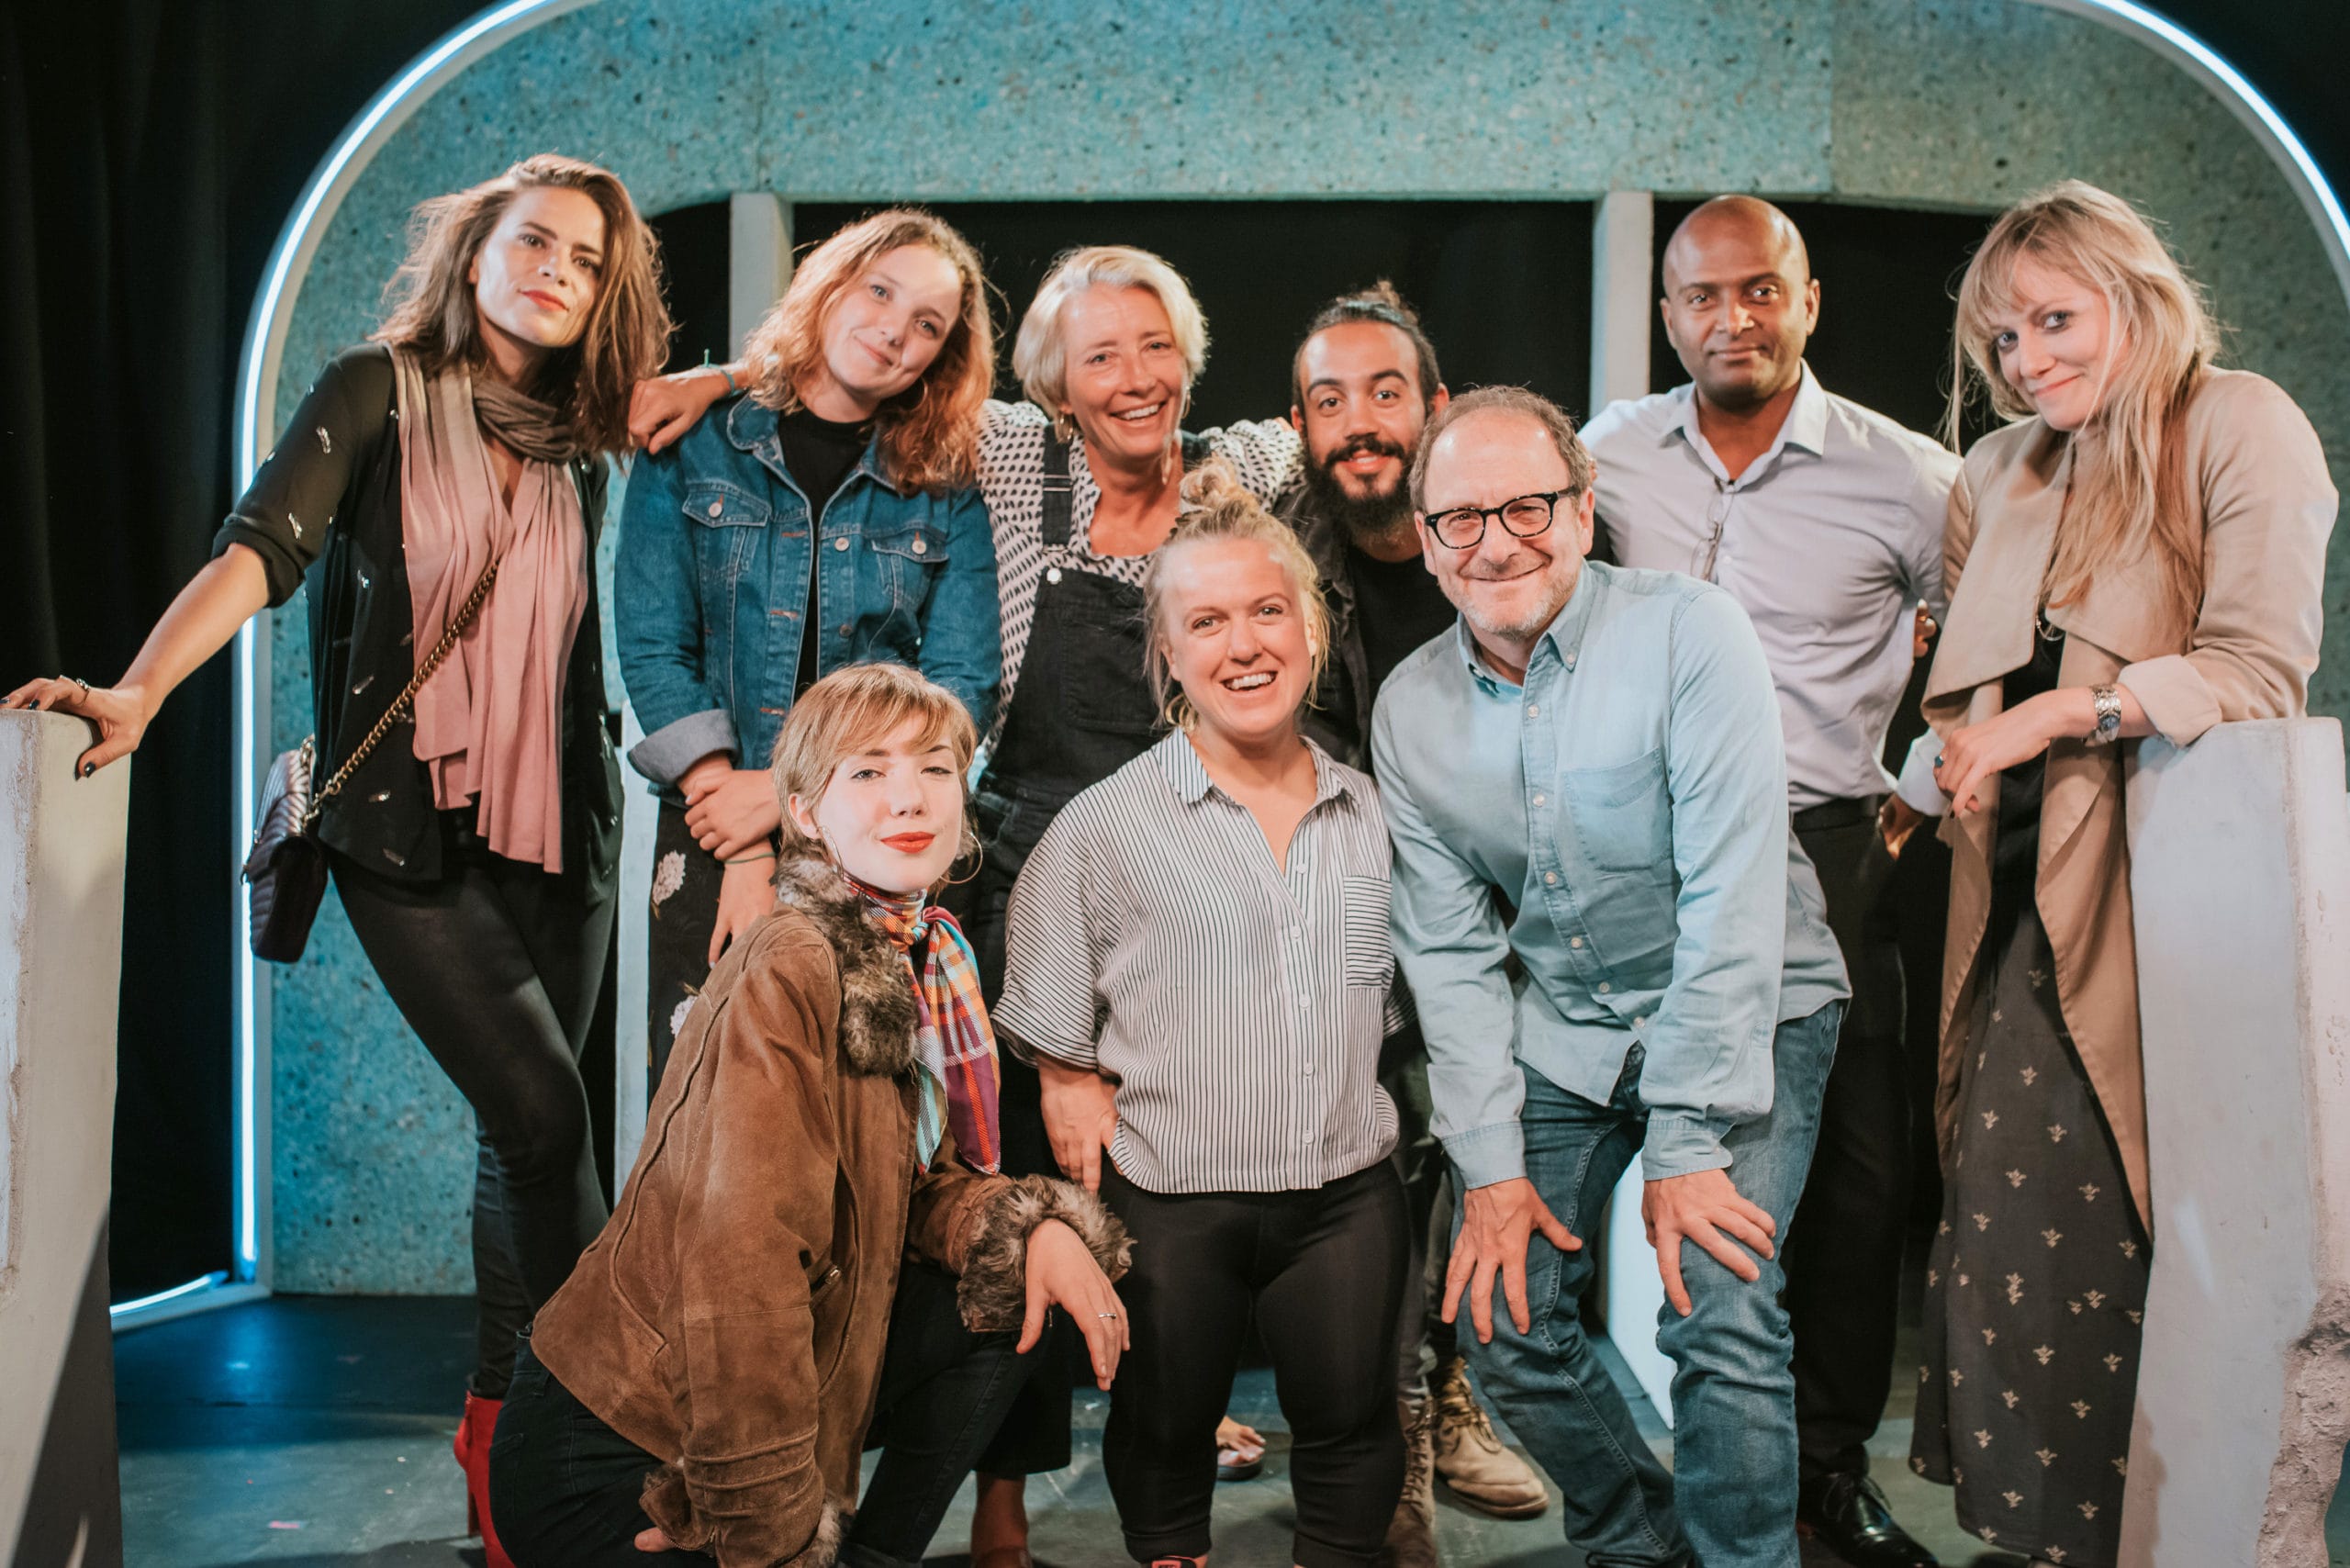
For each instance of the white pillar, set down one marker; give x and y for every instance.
(2239, 873)
(61, 965)
(1622, 243)
(759, 235)
(632, 1056)
(1623, 295)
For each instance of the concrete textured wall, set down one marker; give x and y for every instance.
(60, 960)
(2239, 854)
(1964, 104)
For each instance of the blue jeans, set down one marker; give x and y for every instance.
(1733, 1394)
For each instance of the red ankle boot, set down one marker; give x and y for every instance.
(472, 1449)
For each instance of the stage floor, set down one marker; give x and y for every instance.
(315, 1430)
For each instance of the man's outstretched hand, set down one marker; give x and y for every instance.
(1496, 1222)
(1706, 1208)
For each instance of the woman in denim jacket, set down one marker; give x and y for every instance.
(823, 515)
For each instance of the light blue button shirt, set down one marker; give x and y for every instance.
(1618, 825)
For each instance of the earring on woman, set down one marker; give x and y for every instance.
(968, 849)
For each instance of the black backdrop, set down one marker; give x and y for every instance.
(150, 151)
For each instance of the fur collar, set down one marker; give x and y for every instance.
(878, 1011)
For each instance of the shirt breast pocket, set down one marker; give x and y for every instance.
(904, 563)
(1621, 816)
(1363, 909)
(727, 524)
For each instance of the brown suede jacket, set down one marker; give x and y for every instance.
(731, 1318)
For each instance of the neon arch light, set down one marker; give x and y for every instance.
(255, 426)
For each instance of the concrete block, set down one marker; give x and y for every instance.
(2240, 871)
(61, 963)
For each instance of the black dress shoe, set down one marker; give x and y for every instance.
(1849, 1516)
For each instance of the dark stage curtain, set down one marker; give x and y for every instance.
(149, 150)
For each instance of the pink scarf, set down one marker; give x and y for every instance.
(490, 723)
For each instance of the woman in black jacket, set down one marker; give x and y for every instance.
(474, 846)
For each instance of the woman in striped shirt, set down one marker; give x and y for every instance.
(1197, 960)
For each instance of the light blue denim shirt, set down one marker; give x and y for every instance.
(1618, 826)
(711, 589)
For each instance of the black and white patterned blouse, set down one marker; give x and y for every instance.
(1264, 454)
(1239, 1003)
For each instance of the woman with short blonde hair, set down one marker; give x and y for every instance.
(1040, 353)
(2139, 552)
(816, 1238)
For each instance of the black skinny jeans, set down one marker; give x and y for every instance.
(564, 1485)
(1323, 1270)
(497, 967)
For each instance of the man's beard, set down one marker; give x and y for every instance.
(1370, 520)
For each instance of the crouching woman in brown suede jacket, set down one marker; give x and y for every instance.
(705, 1382)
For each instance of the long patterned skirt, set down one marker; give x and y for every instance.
(2036, 1287)
(684, 898)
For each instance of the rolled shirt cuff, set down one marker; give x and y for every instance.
(1682, 1146)
(1495, 1152)
(666, 754)
(1916, 785)
(2177, 700)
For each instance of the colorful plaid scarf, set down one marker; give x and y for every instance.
(953, 1044)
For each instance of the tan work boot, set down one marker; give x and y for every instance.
(1482, 1472)
(1411, 1534)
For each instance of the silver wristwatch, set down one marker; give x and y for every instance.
(2108, 702)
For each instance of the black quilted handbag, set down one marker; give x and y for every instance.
(285, 872)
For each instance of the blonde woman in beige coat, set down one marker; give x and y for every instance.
(2140, 552)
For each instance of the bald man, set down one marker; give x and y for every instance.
(1824, 521)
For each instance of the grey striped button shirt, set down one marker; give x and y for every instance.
(1238, 1004)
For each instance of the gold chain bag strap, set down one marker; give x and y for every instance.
(286, 870)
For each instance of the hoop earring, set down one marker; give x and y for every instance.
(969, 849)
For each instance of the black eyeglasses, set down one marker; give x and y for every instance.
(1463, 528)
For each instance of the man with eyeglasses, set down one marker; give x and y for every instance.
(1824, 521)
(1615, 948)
(1364, 383)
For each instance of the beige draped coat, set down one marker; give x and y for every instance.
(2257, 476)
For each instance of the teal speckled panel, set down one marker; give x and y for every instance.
(2043, 95)
(373, 1148)
(1962, 103)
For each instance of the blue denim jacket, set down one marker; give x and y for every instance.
(710, 589)
(1618, 825)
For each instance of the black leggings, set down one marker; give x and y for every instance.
(497, 968)
(1324, 1272)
